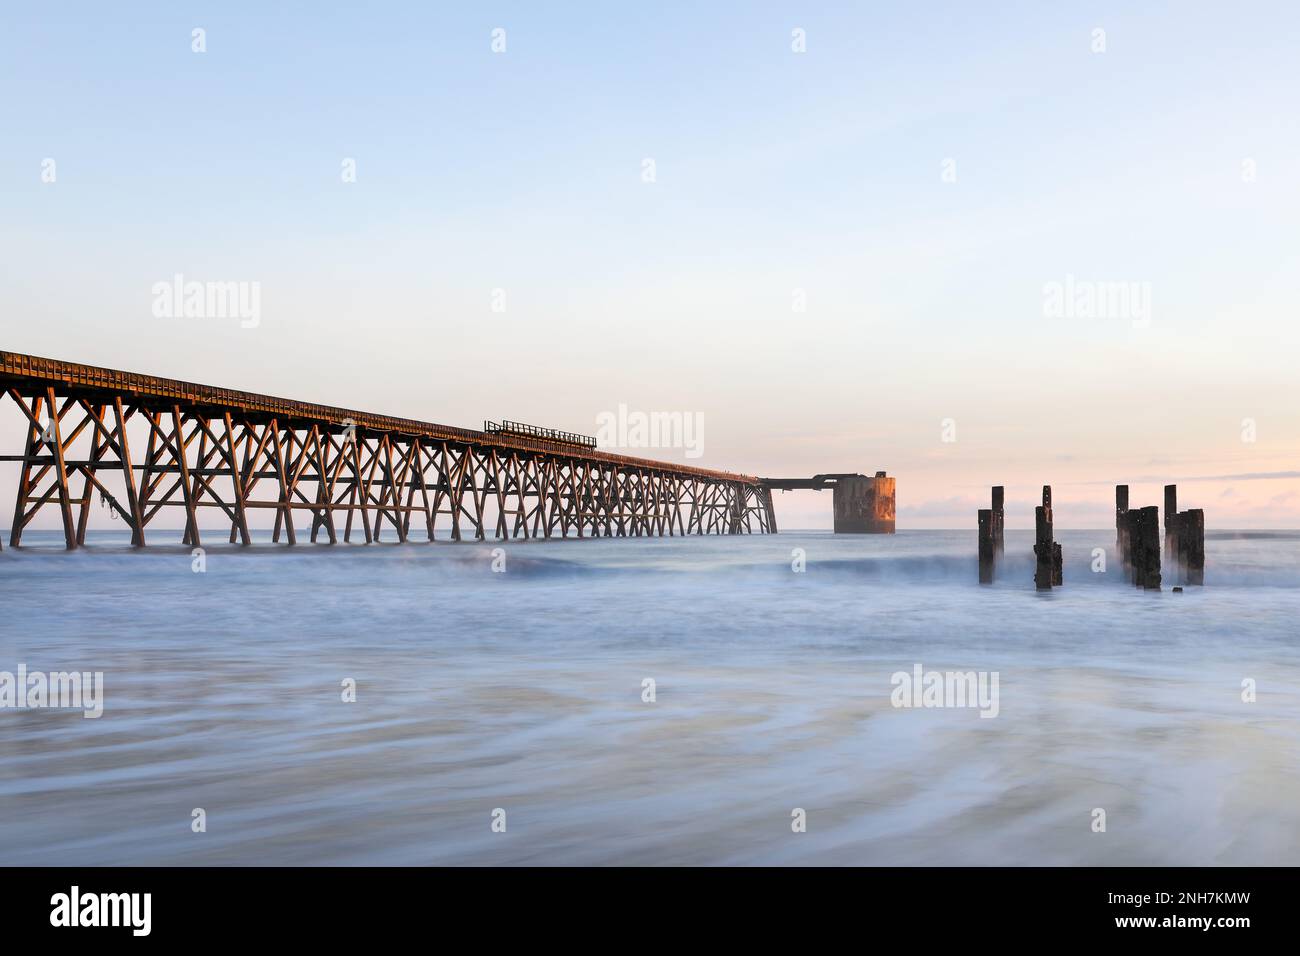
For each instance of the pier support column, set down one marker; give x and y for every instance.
(1144, 547)
(998, 517)
(55, 440)
(1048, 571)
(986, 545)
(1191, 545)
(1043, 548)
(1171, 523)
(1121, 525)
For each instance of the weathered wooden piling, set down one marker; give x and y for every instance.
(1046, 552)
(1058, 561)
(1191, 545)
(1042, 549)
(1121, 525)
(1144, 547)
(986, 545)
(999, 543)
(1171, 523)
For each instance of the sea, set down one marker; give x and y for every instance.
(737, 700)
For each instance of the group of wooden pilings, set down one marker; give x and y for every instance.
(1137, 538)
(992, 542)
(992, 535)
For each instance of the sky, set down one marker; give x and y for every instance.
(830, 233)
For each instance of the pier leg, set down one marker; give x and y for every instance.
(1191, 538)
(61, 471)
(237, 484)
(1177, 561)
(25, 483)
(1043, 549)
(1122, 526)
(98, 446)
(128, 475)
(986, 545)
(999, 543)
(191, 538)
(283, 513)
(1145, 547)
(1048, 572)
(1171, 522)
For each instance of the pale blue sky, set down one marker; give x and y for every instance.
(775, 171)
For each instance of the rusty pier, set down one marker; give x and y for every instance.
(143, 444)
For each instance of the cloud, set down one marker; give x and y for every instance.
(1170, 479)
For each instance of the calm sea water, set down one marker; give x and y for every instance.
(522, 690)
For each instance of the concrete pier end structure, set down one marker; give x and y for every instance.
(862, 504)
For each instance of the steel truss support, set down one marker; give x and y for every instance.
(332, 481)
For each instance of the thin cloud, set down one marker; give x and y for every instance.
(1244, 476)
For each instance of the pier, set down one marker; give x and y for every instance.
(333, 474)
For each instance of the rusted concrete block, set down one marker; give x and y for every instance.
(864, 505)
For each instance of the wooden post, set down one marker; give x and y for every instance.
(1127, 532)
(1043, 548)
(1144, 544)
(1122, 525)
(1191, 542)
(1053, 549)
(1177, 561)
(1057, 562)
(1171, 522)
(986, 545)
(999, 544)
